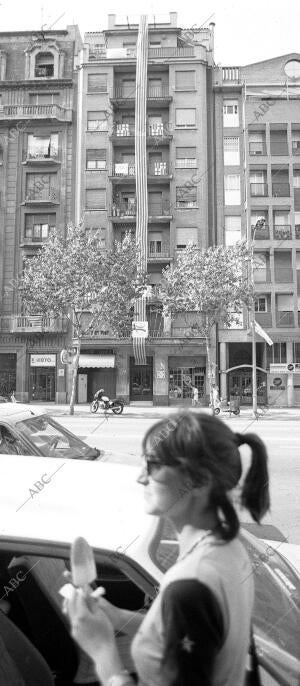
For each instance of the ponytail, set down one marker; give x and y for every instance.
(255, 495)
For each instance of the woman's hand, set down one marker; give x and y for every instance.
(90, 625)
(115, 614)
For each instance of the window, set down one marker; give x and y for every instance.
(185, 118)
(96, 158)
(97, 83)
(184, 236)
(41, 187)
(232, 189)
(186, 158)
(155, 243)
(155, 44)
(261, 304)
(292, 69)
(276, 353)
(42, 146)
(186, 197)
(44, 98)
(97, 121)
(230, 113)
(38, 226)
(231, 150)
(232, 230)
(257, 143)
(296, 356)
(185, 80)
(95, 199)
(44, 65)
(296, 179)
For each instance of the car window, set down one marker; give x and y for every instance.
(9, 444)
(52, 439)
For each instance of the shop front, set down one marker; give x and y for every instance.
(184, 374)
(42, 377)
(141, 381)
(240, 384)
(96, 370)
(8, 363)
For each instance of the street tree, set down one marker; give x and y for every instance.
(211, 287)
(73, 277)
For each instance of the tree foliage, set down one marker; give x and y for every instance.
(73, 276)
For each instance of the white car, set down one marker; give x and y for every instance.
(46, 502)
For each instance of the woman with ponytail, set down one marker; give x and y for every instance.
(197, 630)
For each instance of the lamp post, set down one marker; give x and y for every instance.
(259, 225)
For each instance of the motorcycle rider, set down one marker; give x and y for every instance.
(98, 395)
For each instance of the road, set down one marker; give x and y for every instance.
(120, 438)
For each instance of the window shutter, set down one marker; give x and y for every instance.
(185, 153)
(231, 144)
(185, 236)
(185, 117)
(96, 154)
(95, 198)
(185, 80)
(97, 83)
(184, 194)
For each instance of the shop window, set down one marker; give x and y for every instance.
(44, 65)
(181, 380)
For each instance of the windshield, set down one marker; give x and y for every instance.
(276, 615)
(52, 439)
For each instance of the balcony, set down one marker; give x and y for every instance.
(96, 54)
(162, 255)
(280, 190)
(159, 94)
(264, 319)
(230, 73)
(282, 233)
(285, 319)
(296, 147)
(124, 134)
(283, 274)
(159, 211)
(258, 190)
(260, 234)
(18, 112)
(127, 171)
(257, 148)
(45, 196)
(38, 157)
(279, 147)
(122, 169)
(34, 323)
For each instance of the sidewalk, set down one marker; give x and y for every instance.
(269, 413)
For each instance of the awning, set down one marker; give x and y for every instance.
(103, 361)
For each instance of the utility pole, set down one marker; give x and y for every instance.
(259, 225)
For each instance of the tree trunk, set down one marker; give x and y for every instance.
(209, 370)
(75, 364)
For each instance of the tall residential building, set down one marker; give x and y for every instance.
(37, 101)
(258, 177)
(180, 177)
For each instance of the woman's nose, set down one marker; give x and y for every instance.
(143, 477)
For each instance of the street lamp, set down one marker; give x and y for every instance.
(259, 225)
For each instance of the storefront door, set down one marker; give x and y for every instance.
(240, 384)
(42, 384)
(141, 380)
(7, 373)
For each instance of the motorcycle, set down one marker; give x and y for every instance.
(231, 406)
(117, 406)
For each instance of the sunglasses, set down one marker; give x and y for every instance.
(152, 464)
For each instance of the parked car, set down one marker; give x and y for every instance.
(45, 503)
(27, 430)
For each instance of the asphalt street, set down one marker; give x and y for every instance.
(120, 439)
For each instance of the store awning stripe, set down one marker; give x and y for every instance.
(100, 361)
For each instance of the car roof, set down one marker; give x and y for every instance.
(15, 412)
(56, 500)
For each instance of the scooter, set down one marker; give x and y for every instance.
(229, 406)
(117, 406)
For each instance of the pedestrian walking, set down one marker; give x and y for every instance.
(195, 395)
(197, 630)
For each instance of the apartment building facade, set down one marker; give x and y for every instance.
(258, 177)
(37, 162)
(179, 182)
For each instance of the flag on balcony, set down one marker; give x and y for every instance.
(139, 339)
(262, 333)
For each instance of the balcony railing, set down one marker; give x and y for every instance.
(35, 112)
(164, 253)
(280, 190)
(264, 319)
(282, 233)
(258, 189)
(153, 92)
(37, 323)
(231, 73)
(123, 209)
(296, 147)
(122, 130)
(285, 319)
(157, 130)
(124, 169)
(46, 195)
(257, 148)
(260, 234)
(279, 147)
(283, 274)
(39, 155)
(130, 53)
